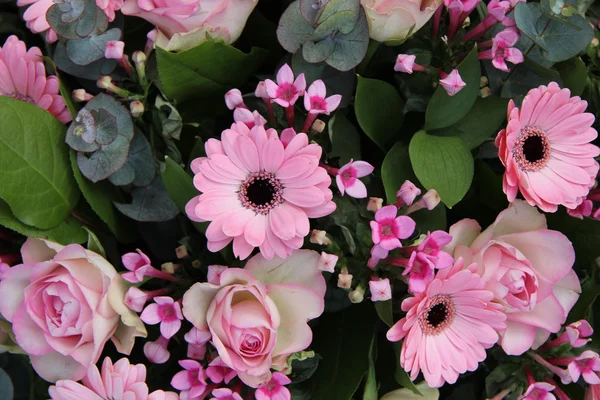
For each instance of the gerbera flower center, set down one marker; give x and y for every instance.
(532, 149)
(437, 316)
(260, 192)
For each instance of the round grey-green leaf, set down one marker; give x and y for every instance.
(442, 163)
(35, 175)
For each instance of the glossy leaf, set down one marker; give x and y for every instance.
(35, 174)
(444, 110)
(378, 108)
(574, 75)
(345, 141)
(442, 163)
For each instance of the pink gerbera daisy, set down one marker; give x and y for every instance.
(546, 149)
(23, 77)
(258, 192)
(448, 326)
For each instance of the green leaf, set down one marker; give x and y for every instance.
(6, 386)
(378, 108)
(90, 49)
(181, 189)
(345, 141)
(527, 76)
(206, 71)
(340, 14)
(150, 203)
(442, 163)
(93, 243)
(139, 168)
(396, 168)
(480, 124)
(584, 234)
(444, 110)
(558, 38)
(584, 306)
(574, 75)
(100, 197)
(69, 231)
(293, 29)
(35, 175)
(343, 340)
(370, 392)
(384, 310)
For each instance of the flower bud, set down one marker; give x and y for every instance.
(139, 57)
(114, 50)
(318, 126)
(80, 95)
(374, 204)
(233, 99)
(261, 91)
(357, 295)
(137, 108)
(196, 264)
(344, 279)
(594, 42)
(319, 237)
(483, 81)
(380, 289)
(214, 274)
(169, 268)
(327, 262)
(181, 252)
(431, 199)
(156, 351)
(485, 92)
(407, 194)
(105, 82)
(135, 299)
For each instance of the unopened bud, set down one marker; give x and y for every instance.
(598, 262)
(407, 194)
(214, 274)
(467, 22)
(181, 252)
(483, 81)
(319, 237)
(598, 54)
(357, 295)
(327, 262)
(196, 264)
(380, 289)
(169, 268)
(431, 199)
(318, 126)
(80, 95)
(137, 108)
(344, 279)
(594, 42)
(139, 57)
(485, 92)
(105, 82)
(139, 60)
(114, 50)
(233, 99)
(374, 204)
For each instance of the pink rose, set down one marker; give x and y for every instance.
(183, 24)
(392, 20)
(529, 269)
(65, 303)
(258, 315)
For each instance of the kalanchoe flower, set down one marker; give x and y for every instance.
(380, 289)
(261, 92)
(219, 372)
(502, 49)
(214, 273)
(374, 204)
(316, 102)
(327, 262)
(456, 313)
(406, 63)
(166, 312)
(577, 333)
(407, 194)
(192, 380)
(347, 178)
(234, 99)
(114, 49)
(274, 389)
(23, 77)
(496, 12)
(453, 83)
(388, 229)
(258, 193)
(115, 382)
(587, 364)
(287, 90)
(136, 298)
(139, 265)
(563, 374)
(546, 149)
(226, 394)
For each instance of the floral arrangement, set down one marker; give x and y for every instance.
(307, 199)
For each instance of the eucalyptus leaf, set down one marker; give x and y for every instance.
(350, 48)
(86, 51)
(444, 110)
(442, 163)
(319, 51)
(6, 386)
(310, 9)
(150, 203)
(171, 120)
(341, 14)
(378, 108)
(92, 71)
(139, 169)
(35, 175)
(293, 29)
(76, 19)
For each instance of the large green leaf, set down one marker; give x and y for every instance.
(35, 175)
(558, 39)
(479, 124)
(345, 141)
(100, 196)
(208, 70)
(343, 340)
(378, 108)
(181, 188)
(69, 231)
(444, 110)
(442, 163)
(574, 75)
(584, 234)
